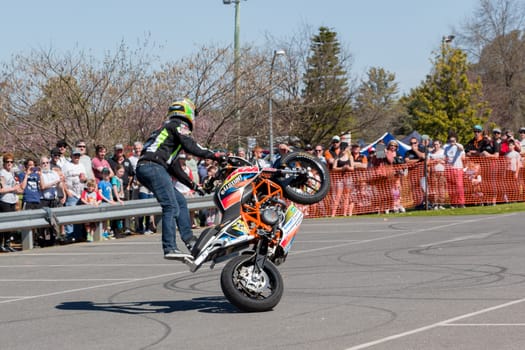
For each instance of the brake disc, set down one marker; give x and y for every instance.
(252, 281)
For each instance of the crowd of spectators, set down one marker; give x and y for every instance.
(70, 177)
(431, 173)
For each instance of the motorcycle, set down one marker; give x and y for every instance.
(259, 222)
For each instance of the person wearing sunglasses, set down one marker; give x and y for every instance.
(332, 153)
(85, 159)
(477, 144)
(319, 153)
(454, 158)
(61, 146)
(9, 189)
(415, 158)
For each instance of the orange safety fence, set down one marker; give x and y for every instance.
(397, 188)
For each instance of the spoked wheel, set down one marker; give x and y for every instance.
(248, 288)
(308, 181)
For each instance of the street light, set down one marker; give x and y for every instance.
(270, 93)
(448, 39)
(236, 62)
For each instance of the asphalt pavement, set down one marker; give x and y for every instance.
(395, 283)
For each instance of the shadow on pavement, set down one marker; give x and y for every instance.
(208, 305)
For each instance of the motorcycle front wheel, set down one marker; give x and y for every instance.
(309, 181)
(247, 288)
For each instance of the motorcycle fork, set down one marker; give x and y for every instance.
(261, 253)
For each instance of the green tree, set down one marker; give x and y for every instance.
(326, 108)
(376, 103)
(447, 101)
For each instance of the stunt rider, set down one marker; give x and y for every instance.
(184, 220)
(160, 150)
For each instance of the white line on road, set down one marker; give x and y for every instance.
(434, 325)
(93, 287)
(483, 325)
(408, 233)
(463, 238)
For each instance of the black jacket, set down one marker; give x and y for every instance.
(165, 144)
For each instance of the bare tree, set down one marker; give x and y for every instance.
(495, 39)
(70, 97)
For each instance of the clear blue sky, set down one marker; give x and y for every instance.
(397, 35)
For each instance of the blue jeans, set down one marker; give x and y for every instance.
(69, 229)
(158, 181)
(144, 222)
(184, 220)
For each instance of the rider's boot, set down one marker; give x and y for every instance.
(175, 254)
(190, 243)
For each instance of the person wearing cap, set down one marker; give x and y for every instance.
(496, 141)
(61, 145)
(55, 157)
(336, 147)
(105, 187)
(309, 149)
(160, 150)
(372, 159)
(477, 144)
(53, 195)
(75, 179)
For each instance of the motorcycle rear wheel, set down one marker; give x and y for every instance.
(249, 290)
(202, 240)
(307, 188)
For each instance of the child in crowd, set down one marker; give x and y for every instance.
(106, 191)
(396, 196)
(363, 195)
(117, 188)
(474, 179)
(105, 188)
(90, 196)
(117, 184)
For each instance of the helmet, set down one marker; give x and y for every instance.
(183, 109)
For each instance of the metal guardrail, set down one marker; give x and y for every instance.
(27, 220)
